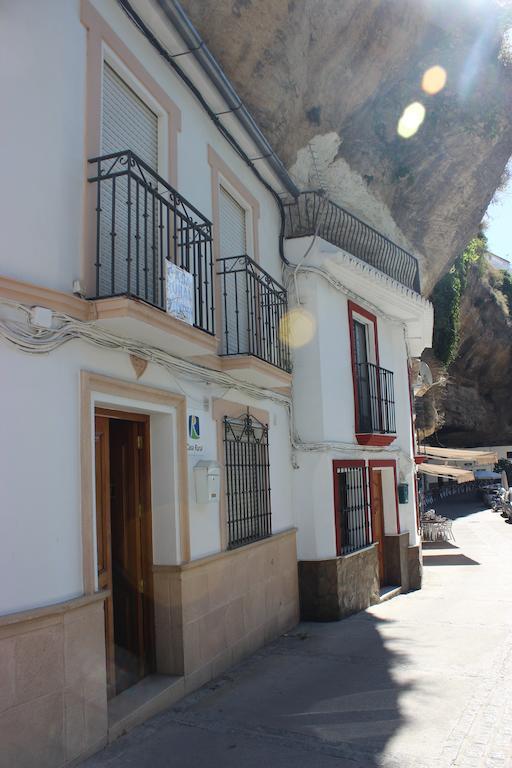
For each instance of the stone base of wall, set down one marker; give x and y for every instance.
(53, 700)
(415, 564)
(335, 588)
(210, 613)
(402, 563)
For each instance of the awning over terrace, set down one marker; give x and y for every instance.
(442, 470)
(483, 458)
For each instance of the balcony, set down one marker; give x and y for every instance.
(253, 305)
(375, 405)
(152, 246)
(311, 214)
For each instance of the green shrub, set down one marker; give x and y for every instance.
(506, 289)
(447, 297)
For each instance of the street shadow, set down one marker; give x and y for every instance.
(455, 559)
(324, 695)
(438, 545)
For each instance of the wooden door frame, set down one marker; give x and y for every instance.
(95, 387)
(144, 536)
(381, 556)
(106, 584)
(383, 464)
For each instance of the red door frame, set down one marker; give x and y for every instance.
(380, 464)
(362, 437)
(353, 464)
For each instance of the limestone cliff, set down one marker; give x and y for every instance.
(327, 81)
(475, 406)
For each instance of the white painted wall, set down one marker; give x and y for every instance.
(42, 70)
(44, 181)
(40, 549)
(388, 499)
(324, 398)
(313, 505)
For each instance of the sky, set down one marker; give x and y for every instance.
(499, 228)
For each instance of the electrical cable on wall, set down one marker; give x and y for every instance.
(37, 341)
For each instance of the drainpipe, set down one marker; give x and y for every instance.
(176, 15)
(179, 19)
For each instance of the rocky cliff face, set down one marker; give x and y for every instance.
(475, 406)
(327, 82)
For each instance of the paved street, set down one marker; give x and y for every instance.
(421, 681)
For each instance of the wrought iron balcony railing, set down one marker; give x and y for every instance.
(375, 400)
(311, 212)
(142, 226)
(253, 306)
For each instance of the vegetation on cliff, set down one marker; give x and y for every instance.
(470, 404)
(446, 298)
(327, 82)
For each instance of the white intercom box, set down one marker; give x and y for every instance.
(207, 481)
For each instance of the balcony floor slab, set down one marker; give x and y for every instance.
(256, 371)
(136, 319)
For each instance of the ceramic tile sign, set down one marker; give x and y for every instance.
(180, 293)
(194, 443)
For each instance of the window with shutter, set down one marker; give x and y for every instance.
(233, 229)
(128, 124)
(235, 303)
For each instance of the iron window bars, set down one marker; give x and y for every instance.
(253, 305)
(353, 514)
(142, 224)
(247, 480)
(312, 213)
(376, 399)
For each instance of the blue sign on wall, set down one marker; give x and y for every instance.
(194, 431)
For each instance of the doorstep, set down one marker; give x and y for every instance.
(143, 700)
(387, 593)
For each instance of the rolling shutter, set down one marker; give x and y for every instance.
(127, 123)
(233, 242)
(233, 236)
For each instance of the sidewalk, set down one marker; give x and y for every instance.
(421, 681)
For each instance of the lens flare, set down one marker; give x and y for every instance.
(434, 80)
(412, 118)
(297, 327)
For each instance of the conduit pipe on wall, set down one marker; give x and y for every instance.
(25, 338)
(176, 15)
(179, 19)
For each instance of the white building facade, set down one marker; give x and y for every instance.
(164, 487)
(149, 538)
(355, 483)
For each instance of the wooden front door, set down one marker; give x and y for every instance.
(123, 524)
(377, 504)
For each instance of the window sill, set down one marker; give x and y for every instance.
(365, 438)
(357, 551)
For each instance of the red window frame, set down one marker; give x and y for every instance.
(352, 464)
(364, 438)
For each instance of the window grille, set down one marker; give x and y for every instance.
(352, 517)
(375, 399)
(247, 480)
